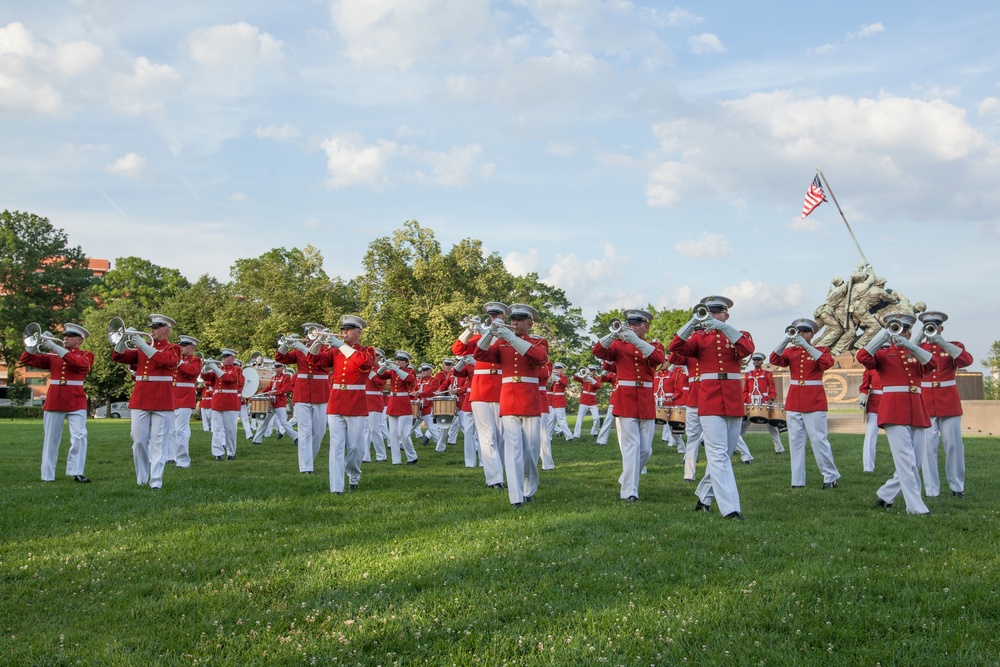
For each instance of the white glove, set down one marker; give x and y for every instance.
(334, 341)
(953, 350)
(812, 351)
(505, 334)
(922, 355)
(630, 336)
(466, 335)
(485, 342)
(56, 347)
(782, 345)
(283, 348)
(521, 345)
(863, 400)
(730, 332)
(644, 347)
(460, 364)
(141, 343)
(685, 331)
(470, 360)
(607, 340)
(316, 347)
(798, 340)
(33, 349)
(297, 345)
(121, 345)
(876, 343)
(390, 366)
(399, 371)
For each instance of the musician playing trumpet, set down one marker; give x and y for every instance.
(226, 404)
(185, 383)
(558, 382)
(402, 380)
(311, 393)
(65, 400)
(590, 385)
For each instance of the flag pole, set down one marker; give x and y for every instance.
(839, 210)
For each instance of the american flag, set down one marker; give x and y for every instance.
(814, 197)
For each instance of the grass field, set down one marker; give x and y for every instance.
(249, 562)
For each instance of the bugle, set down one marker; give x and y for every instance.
(469, 322)
(117, 330)
(33, 336)
(290, 338)
(930, 329)
(895, 327)
(490, 325)
(791, 332)
(320, 333)
(701, 312)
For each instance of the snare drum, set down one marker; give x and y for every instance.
(758, 414)
(776, 416)
(662, 414)
(677, 419)
(418, 408)
(444, 409)
(259, 406)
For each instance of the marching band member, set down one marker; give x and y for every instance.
(248, 424)
(901, 412)
(376, 405)
(588, 400)
(185, 382)
(424, 392)
(944, 407)
(692, 424)
(205, 404)
(557, 398)
(719, 349)
(68, 367)
(463, 370)
(311, 393)
(544, 441)
(280, 387)
(521, 355)
(226, 403)
(870, 397)
(635, 361)
(485, 398)
(806, 402)
(402, 380)
(446, 383)
(608, 374)
(456, 423)
(152, 402)
(759, 389)
(663, 389)
(347, 410)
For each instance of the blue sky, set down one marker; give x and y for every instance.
(628, 152)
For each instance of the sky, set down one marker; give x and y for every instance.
(627, 152)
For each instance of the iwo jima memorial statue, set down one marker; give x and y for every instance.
(852, 315)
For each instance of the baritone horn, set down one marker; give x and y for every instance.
(117, 330)
(33, 335)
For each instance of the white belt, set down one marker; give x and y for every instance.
(807, 383)
(519, 378)
(154, 378)
(349, 387)
(399, 393)
(184, 384)
(693, 379)
(720, 376)
(635, 383)
(311, 376)
(901, 390)
(875, 392)
(944, 383)
(68, 383)
(374, 393)
(589, 393)
(488, 371)
(226, 391)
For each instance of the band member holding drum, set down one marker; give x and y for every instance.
(65, 400)
(347, 410)
(485, 398)
(376, 404)
(719, 349)
(152, 402)
(226, 404)
(677, 374)
(901, 412)
(759, 389)
(805, 404)
(636, 360)
(185, 382)
(446, 387)
(425, 391)
(870, 397)
(402, 380)
(281, 385)
(557, 399)
(311, 393)
(521, 355)
(590, 384)
(944, 407)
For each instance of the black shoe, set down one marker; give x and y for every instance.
(231, 457)
(701, 507)
(426, 441)
(957, 494)
(746, 463)
(412, 463)
(257, 442)
(689, 481)
(797, 486)
(354, 487)
(498, 485)
(632, 499)
(829, 485)
(81, 479)
(882, 504)
(218, 458)
(735, 515)
(529, 499)
(280, 436)
(516, 504)
(171, 461)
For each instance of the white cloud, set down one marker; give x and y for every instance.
(239, 46)
(705, 43)
(351, 162)
(988, 106)
(20, 95)
(17, 40)
(74, 58)
(237, 198)
(751, 296)
(707, 246)
(147, 89)
(810, 223)
(457, 167)
(522, 263)
(578, 276)
(867, 30)
(130, 165)
(282, 132)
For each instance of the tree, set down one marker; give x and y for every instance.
(142, 282)
(41, 280)
(991, 382)
(107, 380)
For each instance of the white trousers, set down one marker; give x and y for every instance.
(771, 430)
(720, 435)
(470, 440)
(76, 459)
(180, 438)
(949, 431)
(245, 419)
(375, 437)
(871, 439)
(348, 441)
(489, 430)
(428, 422)
(693, 430)
(906, 445)
(635, 439)
(741, 445)
(559, 424)
(605, 432)
(453, 429)
(150, 429)
(520, 443)
(545, 442)
(311, 418)
(443, 431)
(206, 419)
(813, 425)
(399, 434)
(595, 414)
(224, 432)
(275, 419)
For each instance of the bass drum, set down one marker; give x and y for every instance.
(251, 382)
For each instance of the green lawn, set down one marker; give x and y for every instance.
(249, 562)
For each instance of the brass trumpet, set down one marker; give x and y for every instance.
(701, 312)
(33, 335)
(257, 359)
(469, 322)
(930, 329)
(490, 325)
(895, 327)
(290, 338)
(316, 333)
(791, 332)
(117, 330)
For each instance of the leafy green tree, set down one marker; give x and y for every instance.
(42, 280)
(991, 386)
(194, 310)
(142, 282)
(109, 381)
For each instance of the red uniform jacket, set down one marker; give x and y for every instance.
(871, 386)
(557, 394)
(185, 379)
(207, 390)
(228, 388)
(312, 380)
(399, 392)
(464, 378)
(153, 375)
(486, 378)
(280, 387)
(519, 392)
(588, 393)
(424, 392)
(688, 379)
(634, 397)
(720, 392)
(373, 391)
(609, 376)
(758, 387)
(663, 387)
(901, 374)
(805, 391)
(66, 376)
(939, 390)
(348, 379)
